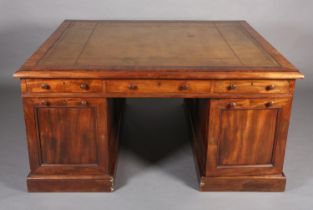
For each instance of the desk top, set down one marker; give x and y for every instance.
(157, 49)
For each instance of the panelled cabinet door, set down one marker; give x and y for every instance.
(247, 136)
(67, 136)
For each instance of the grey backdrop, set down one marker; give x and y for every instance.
(164, 177)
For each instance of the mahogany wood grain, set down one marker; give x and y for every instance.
(251, 86)
(137, 87)
(159, 88)
(243, 134)
(237, 87)
(59, 86)
(67, 135)
(266, 183)
(246, 172)
(199, 73)
(246, 121)
(69, 183)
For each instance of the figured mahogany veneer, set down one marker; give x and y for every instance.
(177, 87)
(238, 91)
(252, 86)
(65, 86)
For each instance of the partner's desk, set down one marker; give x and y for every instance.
(238, 91)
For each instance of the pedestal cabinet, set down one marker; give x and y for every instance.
(239, 139)
(72, 143)
(238, 91)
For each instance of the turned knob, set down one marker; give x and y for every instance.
(183, 87)
(132, 87)
(84, 86)
(269, 104)
(45, 86)
(231, 105)
(84, 102)
(45, 103)
(270, 87)
(231, 87)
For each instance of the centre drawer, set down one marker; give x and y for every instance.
(63, 86)
(133, 87)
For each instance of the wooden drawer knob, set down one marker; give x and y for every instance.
(84, 103)
(183, 87)
(45, 86)
(132, 87)
(270, 87)
(45, 103)
(84, 86)
(232, 87)
(231, 105)
(269, 104)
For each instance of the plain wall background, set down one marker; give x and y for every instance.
(156, 169)
(287, 24)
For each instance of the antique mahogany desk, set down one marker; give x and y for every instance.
(238, 90)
